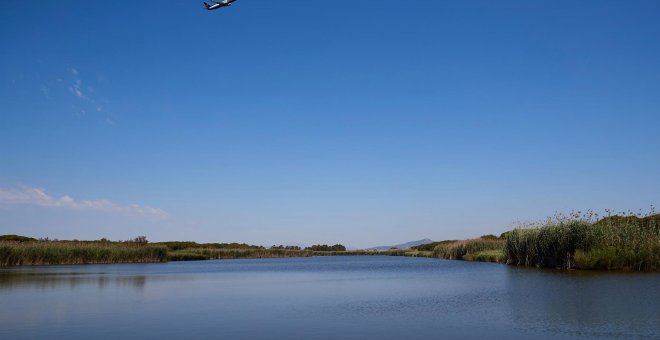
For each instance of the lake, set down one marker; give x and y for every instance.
(370, 297)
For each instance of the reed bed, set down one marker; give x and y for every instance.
(193, 254)
(408, 253)
(183, 245)
(431, 246)
(614, 242)
(196, 254)
(345, 253)
(391, 252)
(481, 249)
(50, 252)
(357, 253)
(496, 256)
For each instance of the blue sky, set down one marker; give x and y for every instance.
(365, 123)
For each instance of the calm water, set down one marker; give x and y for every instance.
(325, 297)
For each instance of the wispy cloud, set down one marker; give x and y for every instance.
(76, 90)
(87, 97)
(39, 197)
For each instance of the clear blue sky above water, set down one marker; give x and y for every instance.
(365, 123)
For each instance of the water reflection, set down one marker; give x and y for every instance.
(360, 297)
(575, 303)
(17, 280)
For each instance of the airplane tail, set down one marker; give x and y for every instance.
(206, 5)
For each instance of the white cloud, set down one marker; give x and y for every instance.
(88, 99)
(39, 197)
(75, 89)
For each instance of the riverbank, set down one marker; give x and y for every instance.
(30, 252)
(611, 243)
(628, 243)
(198, 254)
(36, 253)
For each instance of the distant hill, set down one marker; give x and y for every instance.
(406, 245)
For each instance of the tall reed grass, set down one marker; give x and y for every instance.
(192, 254)
(49, 252)
(481, 249)
(584, 242)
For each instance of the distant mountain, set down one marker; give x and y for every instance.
(406, 245)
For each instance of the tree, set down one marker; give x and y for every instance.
(325, 247)
(141, 240)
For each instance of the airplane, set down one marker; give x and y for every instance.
(218, 4)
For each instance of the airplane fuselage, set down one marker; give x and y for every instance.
(217, 5)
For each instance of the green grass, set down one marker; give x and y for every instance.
(49, 252)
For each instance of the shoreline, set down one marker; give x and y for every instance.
(613, 243)
(264, 254)
(596, 272)
(396, 253)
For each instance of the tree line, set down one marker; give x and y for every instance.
(325, 247)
